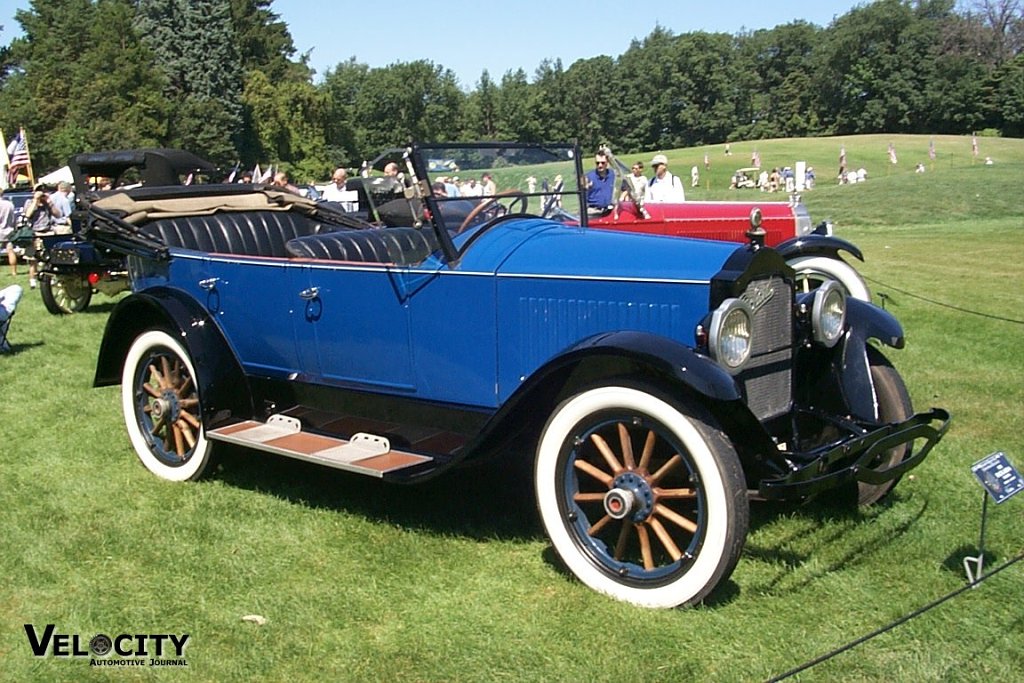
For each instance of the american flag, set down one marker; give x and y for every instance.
(974, 146)
(931, 149)
(842, 157)
(892, 153)
(17, 151)
(755, 159)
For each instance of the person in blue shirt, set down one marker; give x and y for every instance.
(600, 185)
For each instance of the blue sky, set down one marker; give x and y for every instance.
(468, 37)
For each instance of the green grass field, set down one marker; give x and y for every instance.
(454, 581)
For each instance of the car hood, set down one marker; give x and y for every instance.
(547, 249)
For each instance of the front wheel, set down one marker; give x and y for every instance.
(893, 406)
(162, 409)
(64, 294)
(642, 501)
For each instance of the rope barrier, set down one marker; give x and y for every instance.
(943, 304)
(888, 627)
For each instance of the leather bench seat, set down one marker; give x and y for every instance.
(251, 233)
(401, 246)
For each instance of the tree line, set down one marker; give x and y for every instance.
(222, 78)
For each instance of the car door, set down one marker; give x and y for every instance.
(353, 326)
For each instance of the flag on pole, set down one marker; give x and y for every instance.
(931, 149)
(256, 173)
(234, 172)
(892, 153)
(842, 157)
(267, 176)
(755, 159)
(17, 151)
(974, 145)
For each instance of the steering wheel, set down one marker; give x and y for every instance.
(489, 203)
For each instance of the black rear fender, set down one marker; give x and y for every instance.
(223, 387)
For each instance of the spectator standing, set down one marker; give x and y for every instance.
(489, 187)
(63, 202)
(600, 184)
(41, 214)
(336, 191)
(694, 177)
(664, 186)
(7, 225)
(634, 187)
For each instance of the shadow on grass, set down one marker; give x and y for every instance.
(490, 501)
(836, 524)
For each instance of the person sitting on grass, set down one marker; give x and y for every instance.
(9, 297)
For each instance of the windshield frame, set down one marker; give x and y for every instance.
(430, 161)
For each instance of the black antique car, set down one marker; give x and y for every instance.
(71, 268)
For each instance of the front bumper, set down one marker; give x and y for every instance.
(850, 460)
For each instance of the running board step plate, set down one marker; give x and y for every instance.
(283, 435)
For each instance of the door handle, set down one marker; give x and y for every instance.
(209, 284)
(310, 294)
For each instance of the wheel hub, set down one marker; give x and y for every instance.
(630, 496)
(165, 407)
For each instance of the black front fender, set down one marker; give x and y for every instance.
(865, 321)
(223, 387)
(817, 245)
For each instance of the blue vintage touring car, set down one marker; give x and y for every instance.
(658, 383)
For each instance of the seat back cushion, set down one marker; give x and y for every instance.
(401, 246)
(253, 233)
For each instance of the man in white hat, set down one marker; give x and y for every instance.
(665, 187)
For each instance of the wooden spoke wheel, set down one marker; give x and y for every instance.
(641, 501)
(65, 293)
(162, 408)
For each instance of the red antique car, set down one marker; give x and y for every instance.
(813, 252)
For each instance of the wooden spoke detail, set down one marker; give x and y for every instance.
(645, 547)
(620, 547)
(676, 518)
(186, 431)
(673, 462)
(165, 368)
(155, 378)
(593, 471)
(606, 452)
(179, 442)
(601, 523)
(158, 425)
(190, 419)
(186, 386)
(687, 494)
(151, 390)
(666, 540)
(645, 456)
(588, 497)
(189, 403)
(627, 447)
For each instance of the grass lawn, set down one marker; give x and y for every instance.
(454, 580)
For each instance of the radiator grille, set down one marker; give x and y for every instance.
(767, 379)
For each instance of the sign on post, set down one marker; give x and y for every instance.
(998, 476)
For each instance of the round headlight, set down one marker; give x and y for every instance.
(730, 335)
(828, 314)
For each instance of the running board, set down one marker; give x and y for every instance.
(283, 435)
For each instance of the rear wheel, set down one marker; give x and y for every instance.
(641, 500)
(162, 408)
(893, 406)
(813, 271)
(65, 293)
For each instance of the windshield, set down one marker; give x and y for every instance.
(468, 186)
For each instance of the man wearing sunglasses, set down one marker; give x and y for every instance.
(600, 185)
